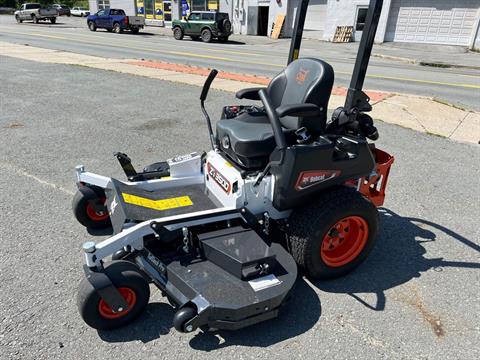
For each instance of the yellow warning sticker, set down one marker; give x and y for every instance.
(163, 204)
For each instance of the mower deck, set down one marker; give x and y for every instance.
(225, 282)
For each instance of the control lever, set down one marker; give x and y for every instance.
(126, 164)
(203, 97)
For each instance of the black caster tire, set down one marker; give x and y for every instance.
(206, 35)
(132, 286)
(183, 316)
(92, 26)
(178, 33)
(333, 235)
(85, 213)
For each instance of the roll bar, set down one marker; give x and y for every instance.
(356, 98)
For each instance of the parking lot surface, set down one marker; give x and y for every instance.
(416, 296)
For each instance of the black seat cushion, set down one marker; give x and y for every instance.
(247, 139)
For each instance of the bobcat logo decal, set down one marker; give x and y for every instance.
(301, 76)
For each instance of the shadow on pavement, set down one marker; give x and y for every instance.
(155, 321)
(397, 258)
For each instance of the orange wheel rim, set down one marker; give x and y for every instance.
(96, 215)
(106, 311)
(344, 241)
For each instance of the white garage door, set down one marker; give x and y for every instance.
(429, 21)
(316, 15)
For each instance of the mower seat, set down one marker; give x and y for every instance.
(248, 138)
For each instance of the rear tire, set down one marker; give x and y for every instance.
(116, 28)
(53, 20)
(135, 30)
(132, 286)
(332, 236)
(34, 19)
(178, 33)
(206, 35)
(92, 26)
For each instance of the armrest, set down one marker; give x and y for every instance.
(299, 110)
(250, 93)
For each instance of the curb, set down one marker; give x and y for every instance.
(425, 63)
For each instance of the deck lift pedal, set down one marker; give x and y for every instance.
(221, 233)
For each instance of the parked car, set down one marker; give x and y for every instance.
(35, 12)
(79, 11)
(62, 9)
(115, 20)
(204, 25)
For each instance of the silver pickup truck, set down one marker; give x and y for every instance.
(35, 12)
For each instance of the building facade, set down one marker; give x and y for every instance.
(420, 21)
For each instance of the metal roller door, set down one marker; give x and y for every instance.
(432, 21)
(316, 16)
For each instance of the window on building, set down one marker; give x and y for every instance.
(199, 5)
(103, 4)
(361, 18)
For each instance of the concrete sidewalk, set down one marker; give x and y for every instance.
(419, 113)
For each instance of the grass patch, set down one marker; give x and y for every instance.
(434, 134)
(444, 102)
(434, 64)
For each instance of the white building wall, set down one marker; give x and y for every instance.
(92, 5)
(343, 13)
(127, 5)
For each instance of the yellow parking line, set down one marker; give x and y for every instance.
(471, 86)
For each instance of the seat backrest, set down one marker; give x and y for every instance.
(304, 80)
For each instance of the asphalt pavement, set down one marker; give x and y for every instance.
(259, 56)
(416, 296)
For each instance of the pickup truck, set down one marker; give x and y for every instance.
(35, 12)
(115, 20)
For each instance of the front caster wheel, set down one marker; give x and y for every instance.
(129, 282)
(333, 235)
(183, 316)
(90, 210)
